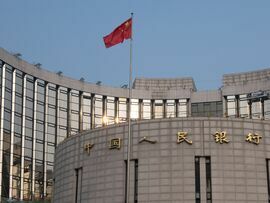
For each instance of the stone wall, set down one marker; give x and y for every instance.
(166, 170)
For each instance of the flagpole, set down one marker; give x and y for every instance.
(129, 116)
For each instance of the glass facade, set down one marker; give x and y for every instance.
(207, 109)
(6, 134)
(244, 107)
(36, 115)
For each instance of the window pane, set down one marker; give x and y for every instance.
(170, 109)
(182, 108)
(122, 110)
(267, 109)
(110, 117)
(134, 109)
(158, 109)
(205, 109)
(146, 109)
(231, 106)
(98, 109)
(86, 108)
(243, 106)
(256, 110)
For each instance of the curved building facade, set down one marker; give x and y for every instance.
(39, 109)
(187, 160)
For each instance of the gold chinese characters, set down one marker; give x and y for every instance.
(221, 137)
(115, 143)
(253, 138)
(88, 147)
(182, 136)
(145, 139)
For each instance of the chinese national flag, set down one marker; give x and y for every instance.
(122, 32)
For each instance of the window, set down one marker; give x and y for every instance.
(207, 109)
(62, 114)
(134, 109)
(98, 111)
(159, 109)
(267, 109)
(256, 110)
(200, 162)
(170, 109)
(182, 108)
(51, 94)
(146, 109)
(133, 190)
(74, 111)
(110, 107)
(122, 114)
(197, 180)
(231, 106)
(86, 108)
(243, 106)
(78, 184)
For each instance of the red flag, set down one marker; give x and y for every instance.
(122, 32)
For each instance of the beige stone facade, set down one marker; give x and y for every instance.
(230, 167)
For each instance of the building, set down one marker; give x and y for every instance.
(39, 109)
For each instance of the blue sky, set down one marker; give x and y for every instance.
(172, 38)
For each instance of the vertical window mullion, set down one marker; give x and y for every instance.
(92, 111)
(23, 136)
(6, 124)
(262, 109)
(2, 125)
(116, 110)
(68, 112)
(45, 137)
(164, 108)
(34, 136)
(104, 117)
(176, 108)
(152, 109)
(80, 111)
(12, 133)
(57, 114)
